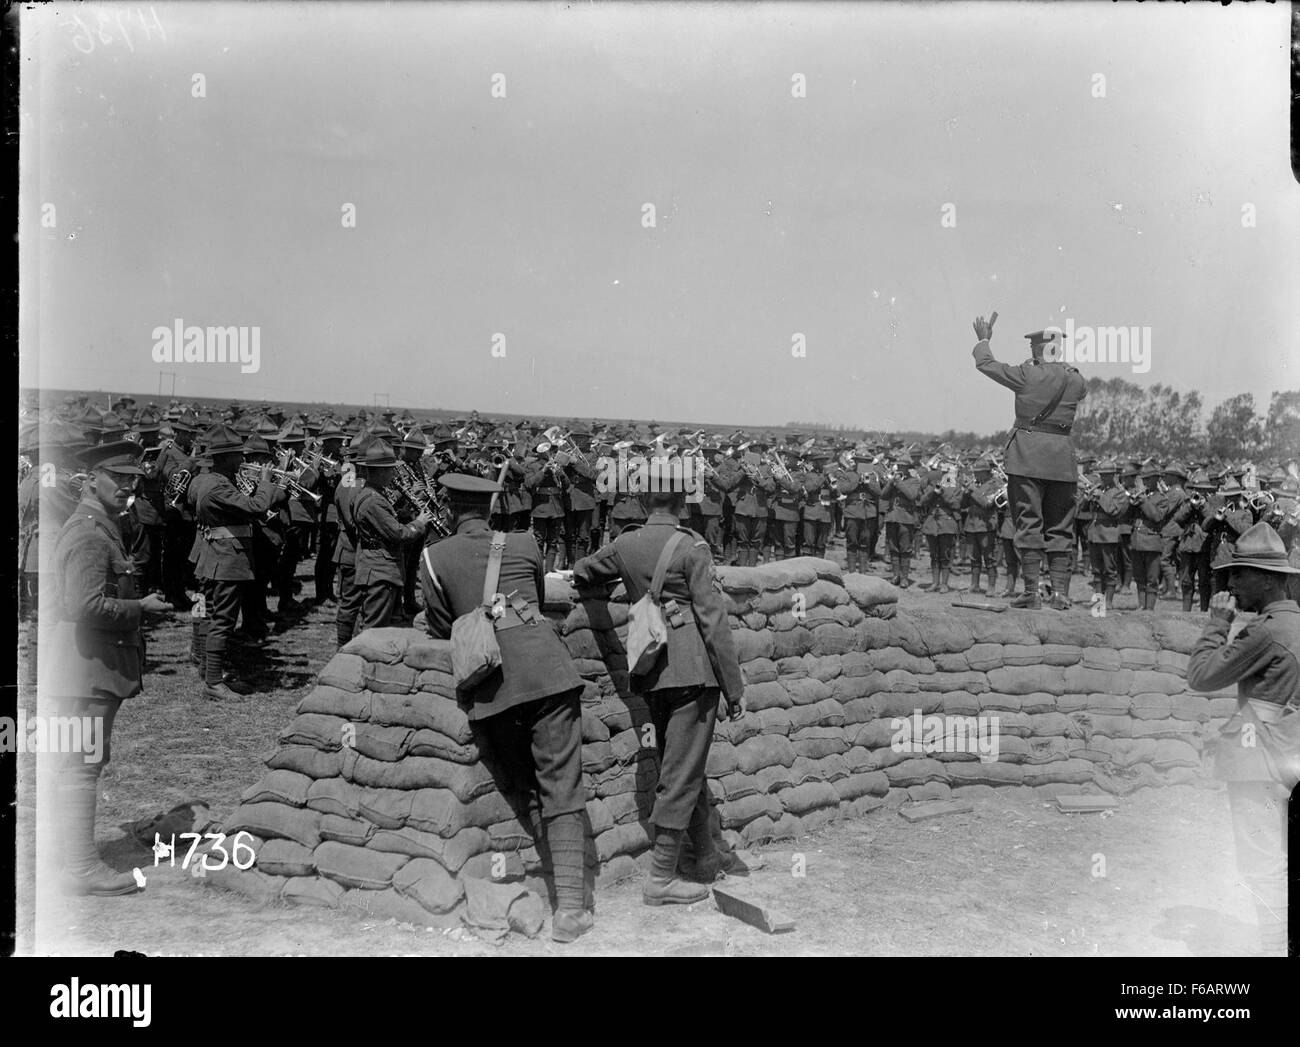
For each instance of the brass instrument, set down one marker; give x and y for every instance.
(499, 460)
(1161, 486)
(177, 484)
(557, 438)
(417, 493)
(778, 466)
(282, 477)
(1196, 501)
(1088, 488)
(1261, 500)
(624, 445)
(315, 458)
(247, 484)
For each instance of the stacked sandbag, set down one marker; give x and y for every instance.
(377, 797)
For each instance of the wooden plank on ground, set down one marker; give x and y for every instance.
(979, 605)
(731, 903)
(919, 812)
(1086, 804)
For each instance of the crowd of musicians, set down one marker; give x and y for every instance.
(293, 489)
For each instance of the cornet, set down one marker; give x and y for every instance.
(177, 484)
(247, 485)
(282, 477)
(316, 459)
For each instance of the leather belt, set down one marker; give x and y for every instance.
(237, 531)
(1042, 427)
(546, 490)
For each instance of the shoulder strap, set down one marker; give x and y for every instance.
(661, 567)
(493, 576)
(1046, 412)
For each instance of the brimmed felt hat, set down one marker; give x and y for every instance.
(121, 456)
(1260, 548)
(222, 439)
(1175, 469)
(377, 455)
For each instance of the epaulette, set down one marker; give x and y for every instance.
(630, 527)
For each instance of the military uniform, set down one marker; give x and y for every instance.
(1147, 545)
(749, 517)
(580, 514)
(682, 688)
(1109, 509)
(226, 518)
(861, 489)
(980, 527)
(178, 525)
(817, 515)
(1042, 475)
(379, 566)
(527, 716)
(942, 508)
(783, 512)
(900, 496)
(548, 485)
(94, 661)
(1263, 660)
(706, 514)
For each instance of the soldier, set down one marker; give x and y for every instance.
(345, 551)
(1147, 545)
(1128, 479)
(1109, 508)
(941, 504)
(628, 508)
(1260, 745)
(706, 514)
(96, 651)
(379, 539)
(783, 510)
(296, 519)
(682, 688)
(1194, 544)
(899, 498)
(980, 524)
(1231, 518)
(146, 508)
(817, 503)
(750, 514)
(580, 512)
(178, 520)
(860, 486)
(268, 546)
(1171, 482)
(515, 504)
(1083, 517)
(528, 715)
(323, 570)
(46, 497)
(1042, 476)
(225, 556)
(547, 481)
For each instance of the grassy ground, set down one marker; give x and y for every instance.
(1014, 877)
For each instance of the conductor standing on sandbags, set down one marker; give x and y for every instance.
(697, 663)
(528, 713)
(1042, 475)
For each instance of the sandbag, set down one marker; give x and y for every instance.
(359, 867)
(386, 645)
(285, 858)
(353, 831)
(317, 730)
(334, 701)
(277, 820)
(312, 890)
(334, 796)
(450, 852)
(344, 671)
(306, 760)
(428, 883)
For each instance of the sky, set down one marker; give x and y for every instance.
(775, 216)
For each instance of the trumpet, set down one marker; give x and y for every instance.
(1196, 501)
(999, 498)
(1261, 500)
(177, 484)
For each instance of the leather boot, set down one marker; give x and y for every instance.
(934, 579)
(1059, 570)
(566, 842)
(1029, 599)
(943, 580)
(975, 586)
(905, 571)
(664, 887)
(896, 570)
(83, 872)
(993, 581)
(1187, 599)
(219, 686)
(1110, 597)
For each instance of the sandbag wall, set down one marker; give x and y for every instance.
(376, 797)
